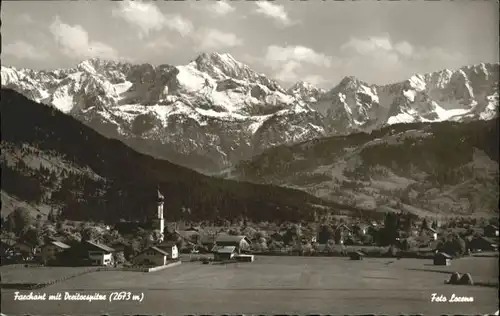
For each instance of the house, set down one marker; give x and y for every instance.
(188, 235)
(483, 244)
(170, 248)
(242, 243)
(51, 249)
(99, 254)
(24, 248)
(491, 231)
(442, 259)
(224, 252)
(356, 255)
(151, 256)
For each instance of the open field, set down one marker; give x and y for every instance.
(16, 274)
(277, 285)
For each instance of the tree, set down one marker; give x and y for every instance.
(434, 225)
(19, 220)
(51, 216)
(338, 236)
(390, 231)
(119, 258)
(33, 236)
(90, 233)
(111, 237)
(325, 234)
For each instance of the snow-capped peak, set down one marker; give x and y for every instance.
(220, 66)
(302, 85)
(215, 92)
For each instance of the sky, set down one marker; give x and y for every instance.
(316, 41)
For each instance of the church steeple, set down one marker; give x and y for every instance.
(159, 221)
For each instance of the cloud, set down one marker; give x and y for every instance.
(74, 42)
(211, 39)
(23, 50)
(404, 48)
(180, 24)
(221, 8)
(315, 80)
(292, 63)
(385, 60)
(368, 46)
(159, 44)
(382, 51)
(147, 17)
(274, 11)
(277, 54)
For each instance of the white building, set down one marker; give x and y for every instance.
(170, 248)
(99, 254)
(151, 256)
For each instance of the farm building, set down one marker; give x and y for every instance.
(244, 258)
(356, 255)
(151, 256)
(51, 249)
(170, 248)
(442, 259)
(224, 252)
(99, 254)
(491, 231)
(241, 243)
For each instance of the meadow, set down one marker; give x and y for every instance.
(275, 285)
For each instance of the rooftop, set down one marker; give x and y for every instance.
(100, 246)
(229, 238)
(59, 244)
(227, 249)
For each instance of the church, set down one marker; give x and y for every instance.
(155, 220)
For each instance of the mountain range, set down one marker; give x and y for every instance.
(51, 160)
(423, 168)
(215, 111)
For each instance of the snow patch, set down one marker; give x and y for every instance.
(401, 118)
(410, 95)
(122, 87)
(417, 82)
(62, 100)
(191, 79)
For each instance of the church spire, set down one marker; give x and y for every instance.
(161, 198)
(159, 221)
